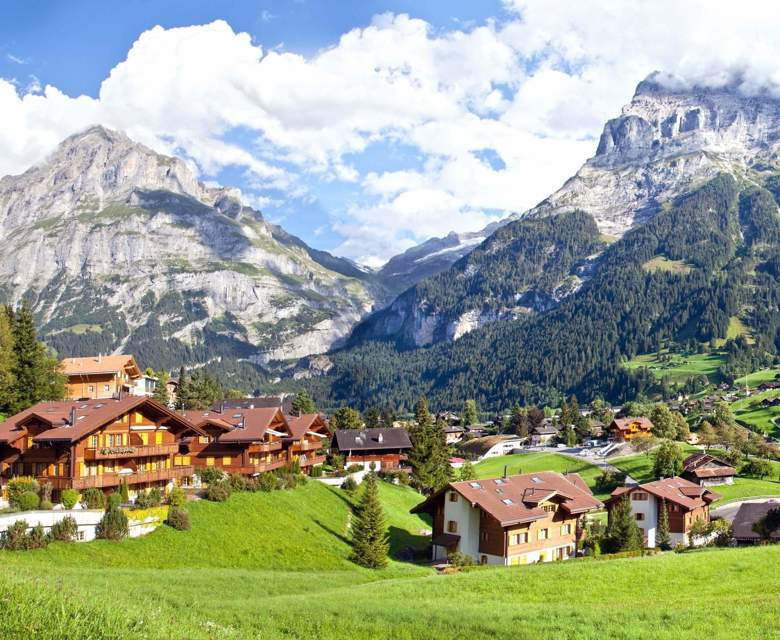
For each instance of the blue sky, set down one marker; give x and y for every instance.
(363, 127)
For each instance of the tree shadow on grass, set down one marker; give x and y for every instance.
(332, 532)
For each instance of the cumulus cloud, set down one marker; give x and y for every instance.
(532, 87)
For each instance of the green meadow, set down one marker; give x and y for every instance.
(750, 411)
(680, 367)
(276, 566)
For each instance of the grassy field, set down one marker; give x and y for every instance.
(757, 377)
(531, 462)
(680, 366)
(749, 410)
(662, 263)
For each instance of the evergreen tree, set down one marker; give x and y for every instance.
(372, 417)
(161, 387)
(183, 390)
(470, 413)
(519, 421)
(421, 435)
(669, 460)
(570, 436)
(387, 418)
(302, 403)
(622, 532)
(7, 363)
(467, 472)
(370, 543)
(440, 470)
(662, 539)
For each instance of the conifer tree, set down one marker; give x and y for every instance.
(182, 390)
(662, 540)
(370, 543)
(441, 471)
(467, 471)
(470, 412)
(161, 387)
(622, 532)
(519, 421)
(302, 403)
(7, 362)
(421, 435)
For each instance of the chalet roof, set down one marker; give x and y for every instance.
(677, 490)
(241, 425)
(624, 424)
(702, 465)
(748, 514)
(299, 425)
(257, 402)
(516, 499)
(101, 364)
(372, 439)
(72, 420)
(480, 446)
(545, 431)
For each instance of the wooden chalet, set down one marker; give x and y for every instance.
(310, 435)
(522, 519)
(385, 448)
(241, 441)
(706, 470)
(103, 377)
(686, 502)
(96, 443)
(627, 429)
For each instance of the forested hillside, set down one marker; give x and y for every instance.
(707, 257)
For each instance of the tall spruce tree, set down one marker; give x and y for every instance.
(663, 540)
(441, 472)
(622, 532)
(7, 363)
(183, 390)
(470, 412)
(161, 387)
(370, 543)
(421, 435)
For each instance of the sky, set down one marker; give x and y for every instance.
(364, 127)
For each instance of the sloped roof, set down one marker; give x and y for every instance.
(480, 446)
(299, 425)
(72, 420)
(749, 513)
(372, 439)
(624, 424)
(241, 425)
(515, 499)
(677, 490)
(100, 364)
(702, 465)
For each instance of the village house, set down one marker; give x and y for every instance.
(522, 519)
(749, 514)
(282, 401)
(453, 434)
(686, 503)
(489, 446)
(310, 435)
(543, 435)
(384, 448)
(707, 471)
(241, 441)
(101, 377)
(96, 443)
(627, 429)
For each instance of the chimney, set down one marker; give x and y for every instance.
(504, 471)
(222, 406)
(242, 424)
(100, 358)
(380, 438)
(72, 416)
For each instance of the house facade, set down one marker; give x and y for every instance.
(686, 503)
(102, 377)
(384, 448)
(96, 443)
(707, 471)
(628, 429)
(515, 520)
(310, 436)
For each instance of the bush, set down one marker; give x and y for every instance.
(177, 497)
(757, 468)
(45, 492)
(178, 518)
(148, 499)
(458, 559)
(288, 480)
(114, 500)
(28, 501)
(250, 485)
(124, 492)
(15, 537)
(20, 485)
(36, 538)
(46, 505)
(237, 482)
(69, 498)
(354, 468)
(266, 482)
(294, 466)
(349, 485)
(210, 474)
(316, 471)
(113, 525)
(93, 498)
(65, 530)
(218, 491)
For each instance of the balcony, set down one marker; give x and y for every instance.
(311, 460)
(308, 445)
(267, 447)
(130, 451)
(113, 479)
(251, 469)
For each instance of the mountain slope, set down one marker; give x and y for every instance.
(119, 247)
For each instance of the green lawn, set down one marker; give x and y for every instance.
(757, 377)
(531, 462)
(680, 366)
(749, 410)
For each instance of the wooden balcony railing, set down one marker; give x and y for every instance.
(113, 479)
(250, 469)
(307, 445)
(309, 461)
(130, 451)
(266, 447)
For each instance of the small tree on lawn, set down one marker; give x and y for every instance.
(467, 471)
(622, 533)
(669, 460)
(113, 525)
(370, 543)
(663, 540)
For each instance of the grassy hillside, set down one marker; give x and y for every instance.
(750, 411)
(679, 367)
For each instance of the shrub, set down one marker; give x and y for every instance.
(113, 525)
(36, 538)
(65, 530)
(177, 497)
(45, 493)
(178, 518)
(336, 461)
(46, 505)
(114, 500)
(294, 466)
(757, 468)
(28, 501)
(266, 482)
(287, 480)
(93, 498)
(237, 482)
(69, 498)
(316, 471)
(148, 499)
(15, 538)
(349, 485)
(250, 485)
(211, 474)
(458, 559)
(354, 468)
(19, 485)
(218, 491)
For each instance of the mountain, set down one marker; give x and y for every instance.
(670, 234)
(121, 248)
(665, 142)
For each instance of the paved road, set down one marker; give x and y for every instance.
(728, 511)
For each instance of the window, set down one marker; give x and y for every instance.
(482, 559)
(90, 388)
(226, 460)
(80, 535)
(453, 496)
(508, 501)
(518, 538)
(549, 508)
(484, 536)
(210, 461)
(203, 439)
(93, 442)
(452, 526)
(158, 437)
(639, 516)
(29, 442)
(544, 534)
(639, 495)
(138, 418)
(566, 530)
(106, 387)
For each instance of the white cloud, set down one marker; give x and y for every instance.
(533, 88)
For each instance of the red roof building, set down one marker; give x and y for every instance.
(707, 471)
